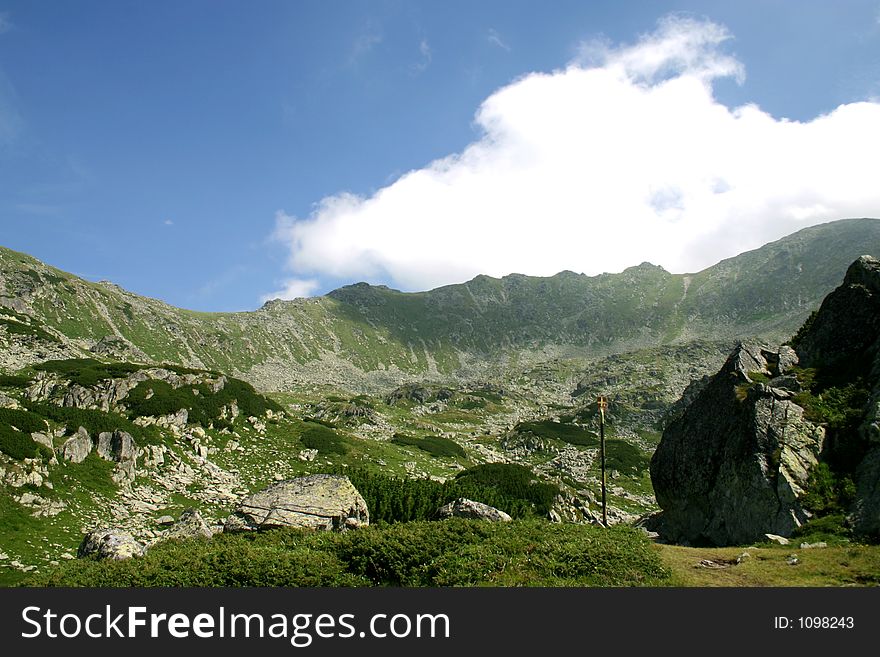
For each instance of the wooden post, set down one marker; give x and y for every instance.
(602, 402)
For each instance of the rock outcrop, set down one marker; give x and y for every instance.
(733, 463)
(844, 338)
(319, 501)
(107, 543)
(76, 448)
(731, 467)
(465, 508)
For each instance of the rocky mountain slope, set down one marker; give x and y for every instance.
(782, 435)
(372, 338)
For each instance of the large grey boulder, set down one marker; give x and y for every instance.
(465, 508)
(319, 501)
(107, 543)
(76, 448)
(733, 465)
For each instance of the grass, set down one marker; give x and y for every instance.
(853, 565)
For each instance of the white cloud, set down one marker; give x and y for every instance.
(495, 39)
(623, 156)
(425, 61)
(168, 222)
(5, 23)
(369, 38)
(293, 288)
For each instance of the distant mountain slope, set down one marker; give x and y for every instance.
(368, 336)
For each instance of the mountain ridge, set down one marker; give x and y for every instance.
(364, 336)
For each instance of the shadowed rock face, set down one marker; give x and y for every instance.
(733, 464)
(847, 327)
(318, 501)
(731, 467)
(845, 338)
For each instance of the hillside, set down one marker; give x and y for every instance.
(372, 338)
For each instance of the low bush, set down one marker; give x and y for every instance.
(94, 421)
(87, 371)
(16, 444)
(568, 433)
(434, 445)
(14, 381)
(453, 552)
(22, 420)
(323, 439)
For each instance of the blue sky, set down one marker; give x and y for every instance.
(214, 154)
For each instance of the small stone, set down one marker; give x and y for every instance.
(165, 520)
(781, 540)
(808, 546)
(743, 557)
(792, 560)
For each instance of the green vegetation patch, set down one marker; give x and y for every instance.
(87, 372)
(453, 552)
(26, 326)
(434, 445)
(18, 445)
(513, 489)
(626, 458)
(94, 421)
(14, 381)
(323, 439)
(22, 420)
(204, 406)
(568, 433)
(513, 482)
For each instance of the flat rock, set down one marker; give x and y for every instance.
(465, 508)
(319, 501)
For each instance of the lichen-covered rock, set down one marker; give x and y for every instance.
(732, 467)
(319, 501)
(465, 508)
(76, 448)
(107, 543)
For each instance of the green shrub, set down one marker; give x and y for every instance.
(22, 420)
(204, 406)
(453, 552)
(94, 421)
(510, 488)
(827, 491)
(14, 381)
(516, 483)
(87, 371)
(568, 433)
(798, 337)
(434, 445)
(16, 444)
(323, 439)
(831, 529)
(625, 458)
